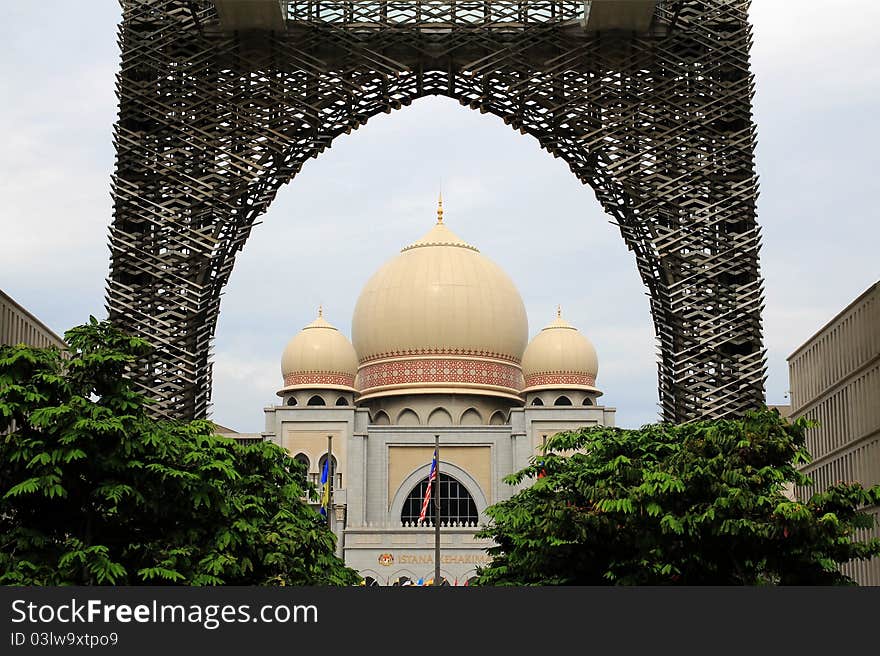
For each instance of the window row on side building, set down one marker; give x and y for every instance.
(835, 381)
(18, 326)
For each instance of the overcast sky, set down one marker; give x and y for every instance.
(817, 66)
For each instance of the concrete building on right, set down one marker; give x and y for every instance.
(18, 326)
(835, 380)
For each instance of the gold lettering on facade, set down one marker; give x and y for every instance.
(428, 559)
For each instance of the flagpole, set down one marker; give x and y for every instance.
(437, 512)
(330, 474)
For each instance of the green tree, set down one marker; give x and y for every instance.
(695, 504)
(95, 491)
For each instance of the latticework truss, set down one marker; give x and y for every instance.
(212, 122)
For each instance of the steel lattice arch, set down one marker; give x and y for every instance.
(215, 117)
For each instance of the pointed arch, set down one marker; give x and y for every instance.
(408, 417)
(439, 417)
(498, 418)
(471, 417)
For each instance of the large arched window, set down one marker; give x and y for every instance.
(456, 503)
(335, 474)
(562, 400)
(537, 401)
(316, 400)
(303, 459)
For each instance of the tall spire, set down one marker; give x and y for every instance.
(320, 311)
(558, 311)
(440, 209)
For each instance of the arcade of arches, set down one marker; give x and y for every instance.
(439, 347)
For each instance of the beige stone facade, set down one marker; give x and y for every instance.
(835, 380)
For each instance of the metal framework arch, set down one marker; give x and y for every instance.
(213, 120)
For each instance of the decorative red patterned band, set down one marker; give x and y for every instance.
(561, 380)
(440, 351)
(318, 378)
(440, 370)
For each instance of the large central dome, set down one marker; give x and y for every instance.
(439, 317)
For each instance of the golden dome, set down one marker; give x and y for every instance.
(439, 317)
(560, 356)
(319, 356)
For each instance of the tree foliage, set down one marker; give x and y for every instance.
(702, 503)
(95, 491)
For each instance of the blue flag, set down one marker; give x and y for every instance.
(325, 488)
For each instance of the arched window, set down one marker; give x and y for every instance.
(381, 418)
(370, 582)
(342, 401)
(334, 475)
(439, 417)
(498, 418)
(588, 401)
(562, 400)
(291, 400)
(471, 417)
(456, 503)
(304, 459)
(408, 417)
(316, 400)
(537, 401)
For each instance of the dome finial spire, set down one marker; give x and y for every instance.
(440, 208)
(320, 311)
(559, 311)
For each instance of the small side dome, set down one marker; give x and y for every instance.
(560, 357)
(319, 356)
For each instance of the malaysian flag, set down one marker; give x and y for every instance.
(431, 478)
